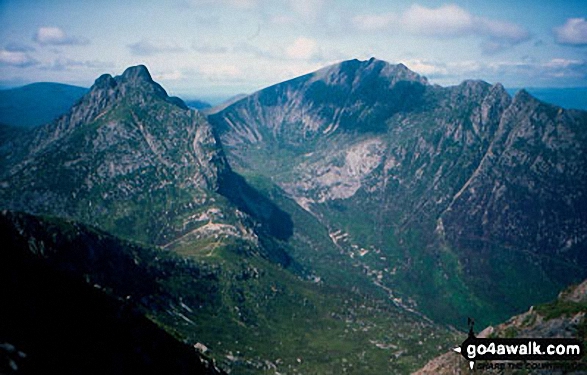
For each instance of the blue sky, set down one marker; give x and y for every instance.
(210, 48)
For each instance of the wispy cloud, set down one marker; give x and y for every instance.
(427, 68)
(52, 35)
(254, 50)
(573, 32)
(454, 21)
(296, 11)
(62, 63)
(446, 21)
(563, 70)
(173, 75)
(374, 21)
(220, 72)
(239, 4)
(16, 58)
(205, 48)
(149, 48)
(19, 47)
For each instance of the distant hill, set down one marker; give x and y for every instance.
(219, 107)
(38, 103)
(197, 104)
(570, 98)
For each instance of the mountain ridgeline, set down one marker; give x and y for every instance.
(198, 251)
(338, 222)
(135, 162)
(462, 199)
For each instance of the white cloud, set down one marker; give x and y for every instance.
(149, 48)
(51, 35)
(16, 58)
(563, 63)
(374, 21)
(500, 30)
(511, 73)
(447, 20)
(427, 68)
(302, 48)
(452, 20)
(573, 32)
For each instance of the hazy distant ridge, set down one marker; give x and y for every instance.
(38, 103)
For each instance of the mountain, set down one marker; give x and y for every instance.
(104, 160)
(570, 98)
(456, 201)
(131, 191)
(197, 104)
(130, 159)
(219, 107)
(561, 318)
(339, 222)
(81, 300)
(38, 103)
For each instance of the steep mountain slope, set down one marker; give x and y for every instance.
(562, 318)
(463, 199)
(38, 103)
(134, 161)
(130, 160)
(73, 302)
(223, 104)
(77, 299)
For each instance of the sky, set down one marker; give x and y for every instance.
(219, 48)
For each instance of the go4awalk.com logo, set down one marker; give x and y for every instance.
(518, 349)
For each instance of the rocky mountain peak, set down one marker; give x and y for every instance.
(523, 96)
(136, 81)
(357, 71)
(394, 73)
(135, 84)
(135, 76)
(126, 128)
(403, 73)
(105, 81)
(135, 73)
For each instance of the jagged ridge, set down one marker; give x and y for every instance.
(459, 193)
